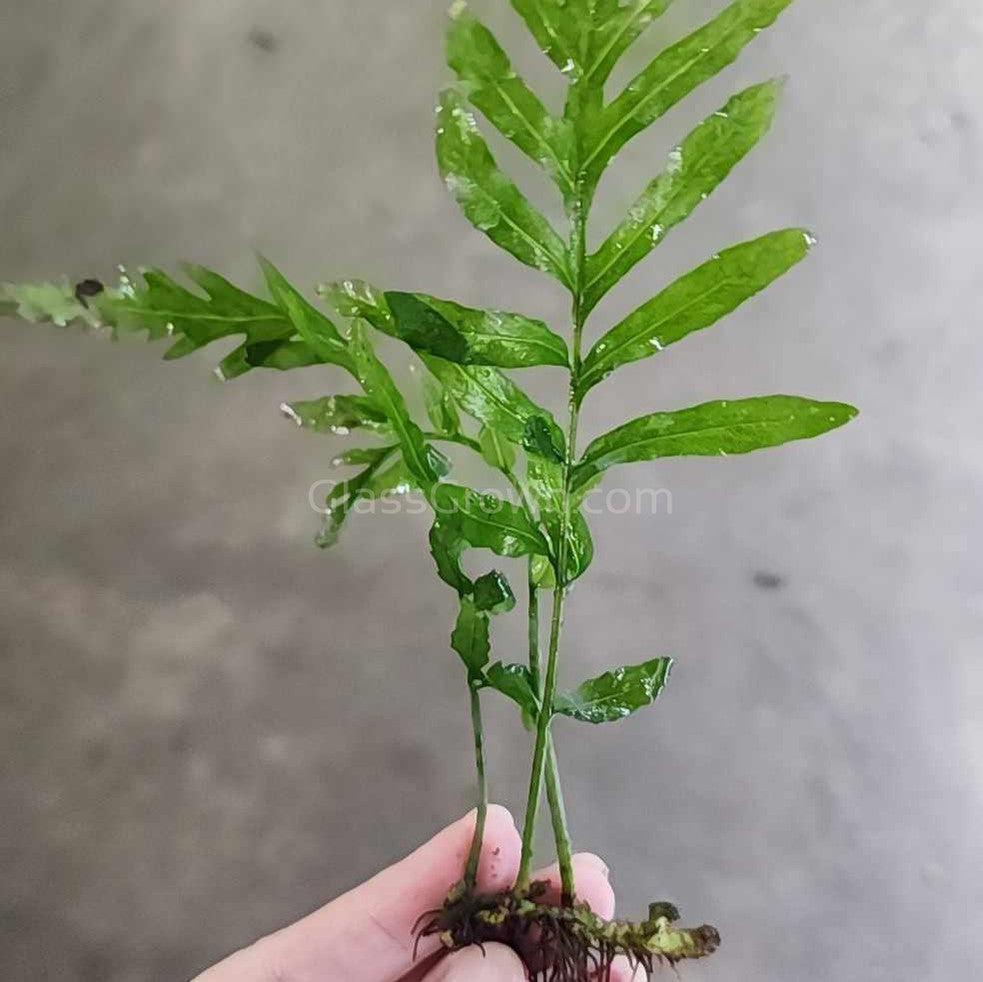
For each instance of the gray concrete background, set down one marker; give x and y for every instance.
(209, 728)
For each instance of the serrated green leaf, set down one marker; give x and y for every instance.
(487, 522)
(471, 639)
(616, 695)
(493, 594)
(313, 327)
(165, 308)
(696, 167)
(374, 377)
(51, 303)
(496, 450)
(506, 101)
(672, 76)
(713, 429)
(489, 199)
(515, 682)
(468, 336)
(440, 407)
(496, 401)
(337, 414)
(696, 301)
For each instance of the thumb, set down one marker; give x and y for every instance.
(493, 963)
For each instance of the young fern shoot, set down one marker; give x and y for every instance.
(468, 352)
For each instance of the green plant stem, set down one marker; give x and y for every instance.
(474, 856)
(554, 792)
(578, 253)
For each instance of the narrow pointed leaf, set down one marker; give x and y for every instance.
(447, 547)
(487, 522)
(279, 355)
(545, 482)
(375, 481)
(506, 101)
(337, 414)
(557, 27)
(696, 167)
(615, 27)
(673, 75)
(316, 330)
(713, 429)
(496, 450)
(440, 407)
(471, 639)
(471, 337)
(380, 387)
(696, 301)
(489, 199)
(515, 682)
(496, 401)
(356, 299)
(616, 695)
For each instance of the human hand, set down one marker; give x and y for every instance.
(367, 934)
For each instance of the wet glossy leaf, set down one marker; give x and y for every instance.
(496, 450)
(440, 407)
(490, 200)
(544, 439)
(488, 522)
(472, 337)
(356, 456)
(471, 639)
(696, 301)
(447, 547)
(515, 682)
(542, 574)
(496, 401)
(337, 414)
(696, 167)
(586, 38)
(380, 387)
(672, 76)
(616, 695)
(377, 481)
(615, 26)
(713, 429)
(279, 355)
(313, 327)
(493, 594)
(506, 101)
(545, 482)
(356, 299)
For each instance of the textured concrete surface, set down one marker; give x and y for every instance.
(209, 728)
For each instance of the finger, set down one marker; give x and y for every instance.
(492, 963)
(622, 971)
(591, 880)
(367, 934)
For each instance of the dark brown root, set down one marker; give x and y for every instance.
(564, 944)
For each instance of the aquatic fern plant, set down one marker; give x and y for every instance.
(469, 354)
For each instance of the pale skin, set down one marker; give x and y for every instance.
(367, 934)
